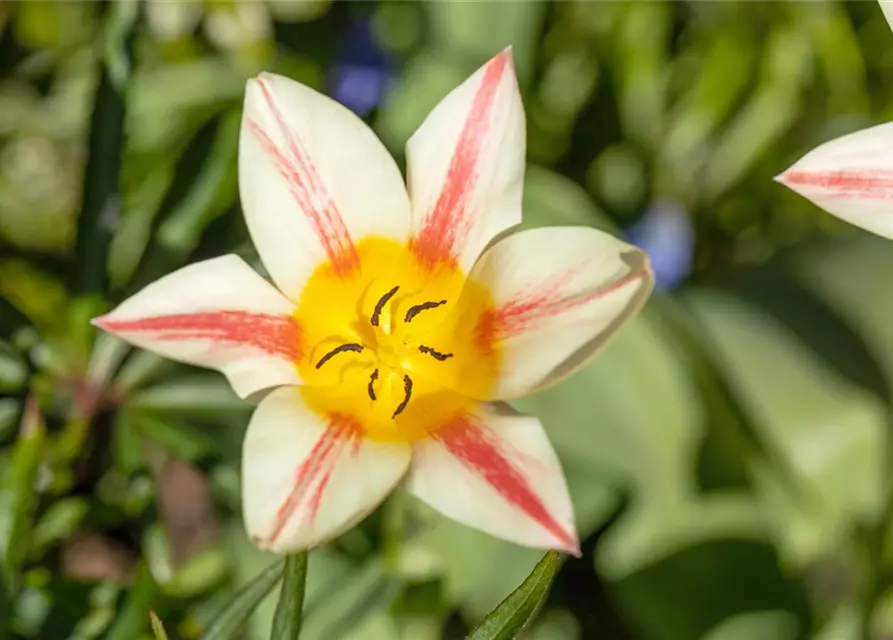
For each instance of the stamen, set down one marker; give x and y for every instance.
(407, 389)
(353, 346)
(415, 310)
(379, 306)
(370, 388)
(437, 355)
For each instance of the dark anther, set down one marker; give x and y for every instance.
(415, 310)
(379, 306)
(437, 355)
(407, 389)
(371, 388)
(353, 346)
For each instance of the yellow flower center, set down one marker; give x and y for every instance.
(386, 345)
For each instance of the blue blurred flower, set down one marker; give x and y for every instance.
(362, 72)
(666, 234)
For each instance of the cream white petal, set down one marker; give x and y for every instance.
(850, 177)
(465, 166)
(314, 180)
(495, 470)
(559, 295)
(306, 479)
(887, 9)
(218, 314)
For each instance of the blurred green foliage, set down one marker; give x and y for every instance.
(728, 454)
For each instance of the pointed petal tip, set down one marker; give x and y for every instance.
(100, 322)
(259, 82)
(572, 549)
(507, 56)
(782, 178)
(261, 543)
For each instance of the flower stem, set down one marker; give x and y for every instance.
(289, 611)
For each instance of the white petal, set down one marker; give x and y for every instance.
(314, 180)
(306, 479)
(887, 9)
(465, 166)
(496, 471)
(218, 314)
(850, 177)
(560, 294)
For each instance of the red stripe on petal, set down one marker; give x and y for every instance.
(533, 309)
(482, 453)
(273, 334)
(316, 471)
(307, 187)
(447, 223)
(876, 184)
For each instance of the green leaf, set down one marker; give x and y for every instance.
(198, 574)
(157, 627)
(290, 610)
(778, 625)
(108, 353)
(18, 499)
(553, 199)
(170, 101)
(140, 368)
(724, 577)
(852, 278)
(13, 369)
(141, 204)
(726, 64)
(35, 294)
(59, 522)
(126, 443)
(181, 441)
(214, 190)
(642, 69)
(767, 115)
(105, 147)
(201, 394)
(118, 32)
(519, 608)
(134, 615)
(820, 428)
(9, 417)
(240, 608)
(18, 495)
(345, 603)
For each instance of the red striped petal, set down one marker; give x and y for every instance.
(308, 476)
(489, 458)
(494, 469)
(315, 472)
(465, 167)
(271, 334)
(444, 228)
(874, 184)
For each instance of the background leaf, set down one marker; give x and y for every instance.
(519, 607)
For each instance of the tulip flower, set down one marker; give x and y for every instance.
(400, 317)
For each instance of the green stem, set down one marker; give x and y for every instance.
(290, 610)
